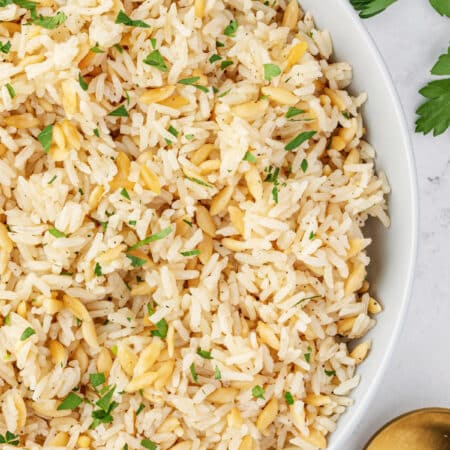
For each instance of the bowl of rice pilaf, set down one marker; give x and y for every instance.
(184, 257)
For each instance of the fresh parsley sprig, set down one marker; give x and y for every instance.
(370, 8)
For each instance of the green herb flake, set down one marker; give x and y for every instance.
(96, 49)
(193, 373)
(96, 132)
(27, 333)
(10, 89)
(347, 115)
(250, 157)
(97, 379)
(150, 445)
(304, 165)
(192, 82)
(271, 71)
(258, 391)
(136, 261)
(330, 373)
(5, 47)
(45, 137)
(191, 253)
(153, 42)
(132, 222)
(312, 236)
(53, 179)
(56, 233)
(82, 82)
(125, 447)
(299, 139)
(72, 401)
(122, 18)
(106, 406)
(231, 29)
(98, 270)
(7, 320)
(441, 6)
(81, 191)
(50, 22)
(114, 350)
(204, 354)
(369, 8)
(198, 181)
(308, 355)
(292, 112)
(224, 93)
(140, 409)
(214, 58)
(161, 329)
(288, 397)
(119, 48)
(156, 60)
(217, 374)
(173, 131)
(152, 238)
(124, 193)
(10, 439)
(225, 64)
(219, 44)
(121, 111)
(189, 137)
(188, 222)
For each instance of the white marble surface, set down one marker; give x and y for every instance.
(411, 36)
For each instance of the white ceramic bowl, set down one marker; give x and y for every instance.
(393, 250)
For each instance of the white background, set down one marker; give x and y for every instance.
(411, 35)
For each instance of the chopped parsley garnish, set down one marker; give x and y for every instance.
(225, 64)
(271, 71)
(45, 137)
(124, 193)
(214, 58)
(7, 319)
(121, 111)
(291, 112)
(97, 379)
(156, 60)
(114, 350)
(150, 445)
(81, 191)
(224, 93)
(250, 157)
(191, 253)
(258, 391)
(27, 333)
(82, 82)
(173, 131)
(125, 447)
(304, 165)
(307, 298)
(189, 137)
(347, 115)
(188, 222)
(53, 179)
(118, 47)
(217, 374)
(98, 270)
(6, 47)
(299, 139)
(308, 355)
(72, 401)
(50, 22)
(132, 222)
(152, 238)
(127, 97)
(369, 8)
(153, 42)
(272, 177)
(140, 409)
(441, 6)
(204, 354)
(10, 89)
(96, 132)
(191, 82)
(220, 44)
(193, 373)
(231, 29)
(161, 329)
(56, 233)
(330, 373)
(106, 406)
(288, 397)
(198, 181)
(125, 20)
(9, 438)
(136, 261)
(96, 49)
(434, 114)
(312, 236)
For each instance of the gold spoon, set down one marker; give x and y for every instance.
(424, 429)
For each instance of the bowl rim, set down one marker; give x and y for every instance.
(340, 438)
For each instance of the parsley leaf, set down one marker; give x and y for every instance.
(442, 67)
(27, 333)
(150, 445)
(161, 329)
(204, 354)
(97, 379)
(330, 373)
(82, 82)
(98, 270)
(225, 64)
(125, 20)
(121, 111)
(152, 238)
(45, 137)
(6, 47)
(369, 8)
(231, 29)
(96, 49)
(156, 60)
(10, 89)
(441, 6)
(250, 157)
(193, 373)
(308, 355)
(106, 406)
(214, 58)
(118, 47)
(434, 114)
(304, 165)
(50, 22)
(9, 438)
(217, 374)
(258, 391)
(140, 409)
(293, 112)
(124, 193)
(56, 233)
(136, 261)
(191, 82)
(191, 253)
(288, 397)
(70, 402)
(299, 139)
(271, 71)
